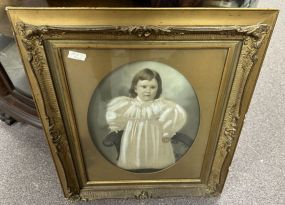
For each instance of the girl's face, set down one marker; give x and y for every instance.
(146, 89)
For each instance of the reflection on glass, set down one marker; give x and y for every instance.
(11, 61)
(204, 3)
(230, 3)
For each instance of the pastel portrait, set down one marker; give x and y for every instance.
(143, 116)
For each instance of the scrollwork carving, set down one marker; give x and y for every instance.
(143, 31)
(143, 195)
(32, 38)
(258, 32)
(230, 129)
(211, 190)
(74, 196)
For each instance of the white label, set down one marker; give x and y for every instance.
(76, 55)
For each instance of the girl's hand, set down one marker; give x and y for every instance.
(166, 139)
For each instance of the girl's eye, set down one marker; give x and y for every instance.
(153, 87)
(144, 86)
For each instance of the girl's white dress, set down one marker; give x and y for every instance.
(148, 127)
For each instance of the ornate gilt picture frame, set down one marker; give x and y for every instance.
(140, 103)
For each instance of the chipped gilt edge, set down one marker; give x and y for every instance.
(33, 36)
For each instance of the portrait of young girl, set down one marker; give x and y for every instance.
(143, 116)
(147, 122)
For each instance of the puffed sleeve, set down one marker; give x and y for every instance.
(173, 117)
(115, 113)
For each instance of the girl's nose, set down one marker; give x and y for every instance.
(147, 89)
